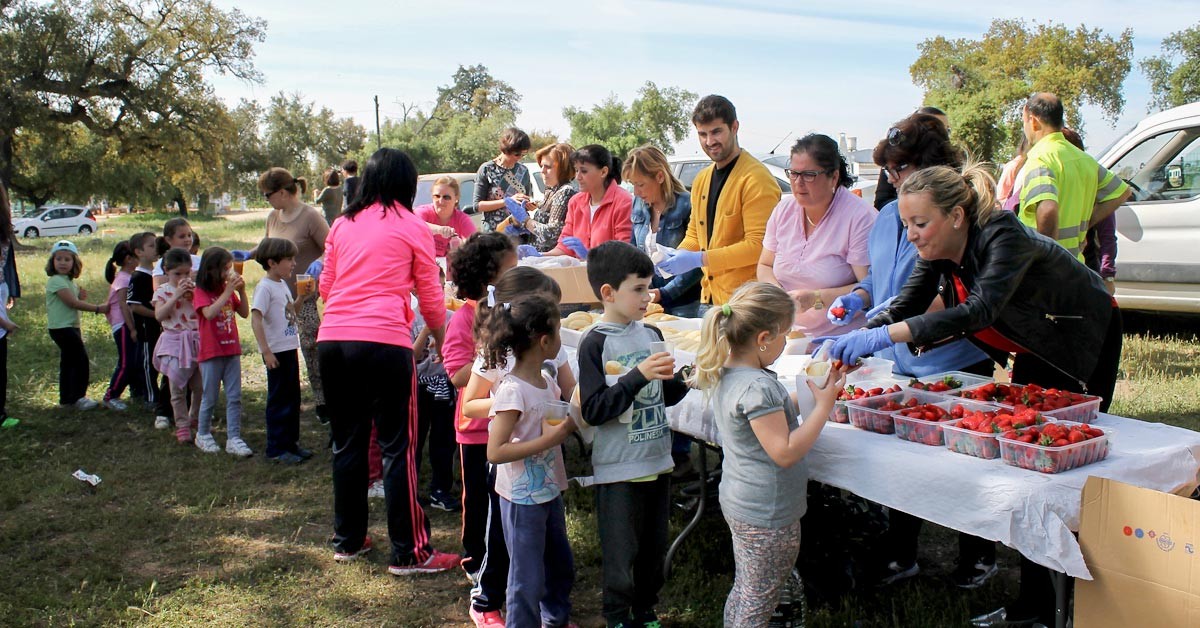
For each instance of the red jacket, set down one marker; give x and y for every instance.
(612, 219)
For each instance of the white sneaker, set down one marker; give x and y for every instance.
(85, 404)
(116, 404)
(207, 444)
(238, 447)
(161, 422)
(376, 490)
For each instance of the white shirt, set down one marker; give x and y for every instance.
(272, 298)
(541, 477)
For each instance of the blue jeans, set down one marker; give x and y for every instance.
(541, 568)
(214, 372)
(283, 405)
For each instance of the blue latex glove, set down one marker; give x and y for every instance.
(514, 231)
(859, 344)
(682, 261)
(576, 246)
(517, 209)
(315, 268)
(240, 256)
(527, 250)
(853, 304)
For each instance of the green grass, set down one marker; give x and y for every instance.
(174, 537)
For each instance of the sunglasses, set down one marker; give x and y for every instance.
(895, 137)
(807, 176)
(268, 195)
(438, 197)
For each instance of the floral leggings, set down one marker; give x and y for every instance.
(763, 558)
(308, 321)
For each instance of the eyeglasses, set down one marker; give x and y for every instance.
(893, 173)
(807, 176)
(438, 197)
(268, 195)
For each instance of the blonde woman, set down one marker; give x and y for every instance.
(662, 209)
(448, 224)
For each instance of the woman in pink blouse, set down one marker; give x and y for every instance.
(816, 242)
(376, 255)
(601, 210)
(448, 224)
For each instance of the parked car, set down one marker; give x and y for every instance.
(1158, 262)
(55, 220)
(687, 167)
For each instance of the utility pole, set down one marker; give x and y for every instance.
(378, 142)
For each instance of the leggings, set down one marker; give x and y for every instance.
(73, 364)
(763, 558)
(127, 371)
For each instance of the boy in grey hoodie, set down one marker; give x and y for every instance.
(631, 453)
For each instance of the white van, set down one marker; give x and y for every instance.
(1158, 229)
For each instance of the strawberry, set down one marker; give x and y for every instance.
(838, 312)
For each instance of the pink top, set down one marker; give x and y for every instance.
(458, 350)
(115, 316)
(612, 220)
(184, 316)
(460, 222)
(219, 334)
(823, 260)
(372, 265)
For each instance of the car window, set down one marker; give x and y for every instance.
(70, 213)
(783, 185)
(688, 171)
(58, 213)
(1164, 167)
(537, 177)
(424, 193)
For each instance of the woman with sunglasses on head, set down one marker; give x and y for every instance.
(504, 178)
(292, 219)
(816, 242)
(915, 143)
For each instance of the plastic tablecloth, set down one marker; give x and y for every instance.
(1033, 513)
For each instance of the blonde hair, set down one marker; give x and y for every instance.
(973, 189)
(452, 183)
(648, 161)
(755, 307)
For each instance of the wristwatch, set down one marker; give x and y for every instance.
(818, 304)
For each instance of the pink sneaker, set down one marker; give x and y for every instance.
(184, 436)
(348, 557)
(437, 561)
(487, 619)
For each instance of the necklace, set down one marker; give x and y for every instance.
(810, 220)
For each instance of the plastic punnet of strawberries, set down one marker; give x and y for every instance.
(996, 421)
(942, 385)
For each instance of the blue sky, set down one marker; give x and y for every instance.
(789, 67)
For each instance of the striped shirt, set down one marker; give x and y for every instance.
(1055, 170)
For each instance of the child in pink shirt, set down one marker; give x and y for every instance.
(219, 293)
(118, 273)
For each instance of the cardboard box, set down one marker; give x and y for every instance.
(1141, 547)
(574, 284)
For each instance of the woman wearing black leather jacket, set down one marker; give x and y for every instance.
(1009, 290)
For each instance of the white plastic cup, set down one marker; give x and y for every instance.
(555, 412)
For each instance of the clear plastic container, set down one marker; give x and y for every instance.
(930, 432)
(967, 380)
(839, 413)
(1055, 459)
(874, 414)
(969, 442)
(1083, 412)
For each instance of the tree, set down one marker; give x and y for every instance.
(474, 91)
(1175, 74)
(981, 84)
(126, 76)
(306, 140)
(657, 116)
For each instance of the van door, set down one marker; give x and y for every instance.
(1158, 228)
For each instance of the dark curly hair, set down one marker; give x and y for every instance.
(512, 285)
(477, 263)
(921, 141)
(824, 150)
(516, 326)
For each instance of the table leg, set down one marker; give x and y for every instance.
(1062, 583)
(695, 518)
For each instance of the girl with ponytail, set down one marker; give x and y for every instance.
(118, 272)
(763, 441)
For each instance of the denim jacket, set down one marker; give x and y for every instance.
(672, 227)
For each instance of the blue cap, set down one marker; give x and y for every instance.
(64, 245)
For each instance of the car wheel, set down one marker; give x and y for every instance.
(31, 233)
(85, 229)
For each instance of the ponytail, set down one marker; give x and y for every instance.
(973, 189)
(120, 253)
(755, 307)
(599, 156)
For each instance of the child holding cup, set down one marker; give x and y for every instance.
(530, 475)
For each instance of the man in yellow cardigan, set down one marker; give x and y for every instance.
(731, 202)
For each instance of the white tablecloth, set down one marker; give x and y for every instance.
(1034, 513)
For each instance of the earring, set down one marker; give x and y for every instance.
(762, 348)
(956, 225)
